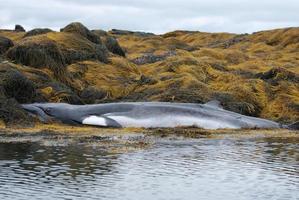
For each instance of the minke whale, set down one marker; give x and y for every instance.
(149, 115)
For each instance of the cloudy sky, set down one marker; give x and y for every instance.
(157, 16)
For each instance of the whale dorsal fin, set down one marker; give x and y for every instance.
(100, 121)
(214, 103)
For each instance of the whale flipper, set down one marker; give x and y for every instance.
(100, 121)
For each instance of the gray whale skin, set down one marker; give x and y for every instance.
(149, 115)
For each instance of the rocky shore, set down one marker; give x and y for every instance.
(253, 74)
(128, 140)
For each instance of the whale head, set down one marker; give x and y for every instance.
(47, 111)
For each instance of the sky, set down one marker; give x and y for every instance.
(157, 16)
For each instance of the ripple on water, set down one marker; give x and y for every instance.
(170, 169)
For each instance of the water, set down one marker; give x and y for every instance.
(266, 168)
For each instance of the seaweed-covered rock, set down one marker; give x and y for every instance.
(151, 58)
(37, 31)
(230, 42)
(135, 33)
(39, 54)
(19, 28)
(113, 46)
(14, 84)
(145, 80)
(274, 75)
(229, 102)
(5, 44)
(13, 115)
(100, 33)
(18, 86)
(80, 29)
(91, 94)
(98, 52)
(71, 98)
(58, 92)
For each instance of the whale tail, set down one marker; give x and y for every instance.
(294, 126)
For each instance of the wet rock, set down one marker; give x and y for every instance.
(14, 87)
(143, 95)
(276, 74)
(71, 99)
(230, 42)
(39, 54)
(126, 32)
(5, 44)
(17, 86)
(113, 46)
(244, 108)
(90, 94)
(99, 52)
(144, 80)
(229, 102)
(100, 33)
(80, 29)
(37, 31)
(192, 94)
(151, 58)
(197, 93)
(19, 28)
(218, 66)
(13, 115)
(58, 92)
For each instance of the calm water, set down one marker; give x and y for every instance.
(169, 169)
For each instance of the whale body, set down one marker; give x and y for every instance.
(148, 115)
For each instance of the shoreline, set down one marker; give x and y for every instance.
(89, 131)
(122, 140)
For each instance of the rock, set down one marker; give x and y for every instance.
(5, 44)
(276, 74)
(39, 54)
(113, 46)
(243, 108)
(174, 92)
(99, 52)
(100, 33)
(71, 98)
(15, 88)
(144, 80)
(19, 28)
(37, 31)
(16, 85)
(151, 58)
(90, 94)
(59, 92)
(80, 29)
(121, 32)
(126, 32)
(95, 51)
(229, 102)
(13, 115)
(230, 42)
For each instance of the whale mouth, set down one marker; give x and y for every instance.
(36, 111)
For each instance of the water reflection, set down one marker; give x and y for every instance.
(171, 169)
(73, 160)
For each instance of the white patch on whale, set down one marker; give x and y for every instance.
(171, 121)
(95, 120)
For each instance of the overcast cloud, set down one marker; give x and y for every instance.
(157, 16)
